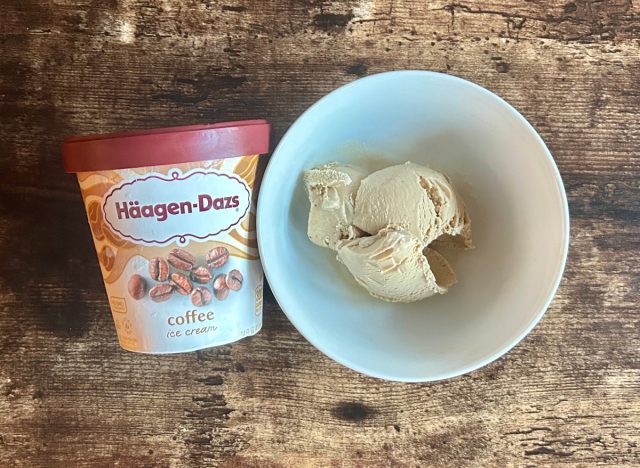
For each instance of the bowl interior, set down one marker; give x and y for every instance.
(515, 199)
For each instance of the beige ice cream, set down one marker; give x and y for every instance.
(394, 265)
(386, 225)
(415, 197)
(332, 190)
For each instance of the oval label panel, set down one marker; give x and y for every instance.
(158, 209)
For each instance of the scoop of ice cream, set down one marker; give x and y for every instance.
(394, 265)
(332, 189)
(419, 199)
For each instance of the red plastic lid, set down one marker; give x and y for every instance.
(162, 146)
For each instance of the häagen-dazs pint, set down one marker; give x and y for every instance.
(172, 213)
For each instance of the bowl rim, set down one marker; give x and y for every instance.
(474, 364)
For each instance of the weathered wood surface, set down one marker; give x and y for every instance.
(566, 396)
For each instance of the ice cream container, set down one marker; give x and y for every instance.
(172, 214)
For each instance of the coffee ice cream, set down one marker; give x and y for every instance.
(394, 265)
(386, 226)
(332, 190)
(415, 197)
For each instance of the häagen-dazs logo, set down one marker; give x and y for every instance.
(158, 209)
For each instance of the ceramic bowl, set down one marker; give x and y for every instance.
(514, 195)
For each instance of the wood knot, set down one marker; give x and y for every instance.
(357, 69)
(329, 21)
(502, 67)
(353, 411)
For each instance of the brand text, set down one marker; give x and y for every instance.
(161, 211)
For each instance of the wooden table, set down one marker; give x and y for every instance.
(566, 396)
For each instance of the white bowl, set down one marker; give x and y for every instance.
(515, 198)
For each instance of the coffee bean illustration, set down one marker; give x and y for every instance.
(234, 280)
(220, 288)
(181, 259)
(217, 257)
(158, 269)
(201, 275)
(161, 292)
(200, 296)
(137, 287)
(181, 284)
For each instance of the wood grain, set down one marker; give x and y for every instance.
(566, 396)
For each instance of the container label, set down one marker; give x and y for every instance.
(159, 209)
